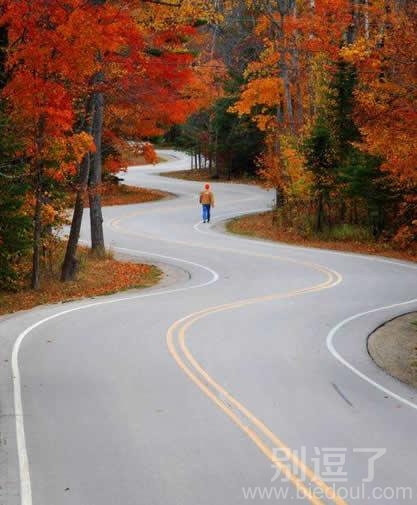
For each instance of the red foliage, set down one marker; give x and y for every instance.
(58, 48)
(149, 153)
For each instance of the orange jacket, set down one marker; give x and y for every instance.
(207, 198)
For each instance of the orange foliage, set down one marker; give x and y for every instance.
(149, 153)
(284, 85)
(271, 165)
(387, 96)
(144, 55)
(266, 227)
(291, 44)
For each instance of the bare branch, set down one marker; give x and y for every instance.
(162, 2)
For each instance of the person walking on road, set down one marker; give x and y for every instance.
(207, 201)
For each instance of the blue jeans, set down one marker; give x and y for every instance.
(206, 212)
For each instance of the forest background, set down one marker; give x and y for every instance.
(315, 97)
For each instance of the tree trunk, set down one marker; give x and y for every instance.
(342, 211)
(299, 92)
(216, 155)
(37, 235)
(210, 145)
(4, 42)
(279, 198)
(366, 19)
(355, 212)
(199, 157)
(96, 216)
(37, 218)
(353, 28)
(70, 265)
(286, 79)
(319, 219)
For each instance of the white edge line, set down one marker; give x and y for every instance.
(284, 245)
(335, 329)
(335, 353)
(220, 217)
(25, 482)
(332, 333)
(24, 471)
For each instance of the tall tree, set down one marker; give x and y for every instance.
(15, 225)
(320, 161)
(45, 81)
(95, 176)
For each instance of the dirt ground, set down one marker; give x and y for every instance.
(393, 347)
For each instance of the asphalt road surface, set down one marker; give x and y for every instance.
(242, 378)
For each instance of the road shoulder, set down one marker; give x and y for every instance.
(393, 347)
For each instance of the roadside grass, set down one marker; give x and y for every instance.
(346, 238)
(134, 160)
(122, 194)
(203, 175)
(348, 233)
(95, 277)
(113, 193)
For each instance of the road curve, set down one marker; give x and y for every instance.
(245, 380)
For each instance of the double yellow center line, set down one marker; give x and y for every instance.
(253, 427)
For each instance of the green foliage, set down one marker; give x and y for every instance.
(349, 232)
(154, 51)
(359, 172)
(239, 142)
(232, 143)
(320, 156)
(200, 22)
(15, 226)
(341, 107)
(341, 170)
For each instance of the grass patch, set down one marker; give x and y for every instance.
(343, 238)
(135, 160)
(348, 233)
(95, 277)
(123, 194)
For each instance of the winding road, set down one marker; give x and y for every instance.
(242, 378)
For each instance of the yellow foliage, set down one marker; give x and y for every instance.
(357, 52)
(49, 215)
(282, 166)
(266, 91)
(155, 17)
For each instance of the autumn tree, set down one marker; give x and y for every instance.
(383, 52)
(284, 84)
(137, 63)
(15, 224)
(40, 94)
(320, 161)
(215, 135)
